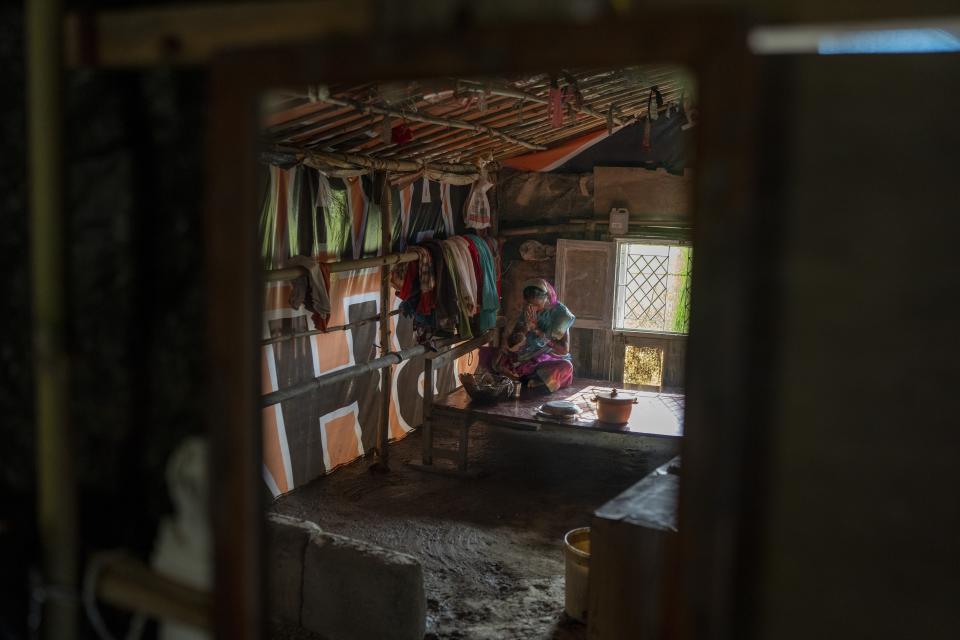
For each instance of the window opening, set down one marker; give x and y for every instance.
(653, 287)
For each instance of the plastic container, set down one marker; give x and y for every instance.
(576, 553)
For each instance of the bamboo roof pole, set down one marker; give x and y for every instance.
(320, 128)
(425, 129)
(510, 113)
(306, 133)
(375, 141)
(521, 95)
(537, 125)
(542, 133)
(531, 113)
(458, 124)
(284, 121)
(627, 98)
(373, 123)
(319, 159)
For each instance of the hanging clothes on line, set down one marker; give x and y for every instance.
(452, 288)
(490, 300)
(311, 290)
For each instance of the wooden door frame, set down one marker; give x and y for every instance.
(716, 492)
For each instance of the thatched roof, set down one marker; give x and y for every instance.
(460, 121)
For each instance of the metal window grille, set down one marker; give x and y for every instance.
(653, 288)
(645, 292)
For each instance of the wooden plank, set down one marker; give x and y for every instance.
(233, 278)
(194, 34)
(652, 197)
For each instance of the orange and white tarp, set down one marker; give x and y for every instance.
(314, 433)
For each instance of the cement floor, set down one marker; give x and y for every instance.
(490, 547)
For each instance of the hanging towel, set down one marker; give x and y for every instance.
(451, 298)
(425, 191)
(398, 274)
(312, 289)
(406, 200)
(411, 281)
(324, 193)
(477, 270)
(436, 296)
(494, 247)
(491, 302)
(476, 212)
(425, 263)
(446, 208)
(466, 276)
(359, 206)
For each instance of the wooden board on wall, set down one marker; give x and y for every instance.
(585, 281)
(650, 196)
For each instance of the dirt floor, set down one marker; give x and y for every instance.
(490, 546)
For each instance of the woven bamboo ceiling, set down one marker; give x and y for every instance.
(459, 121)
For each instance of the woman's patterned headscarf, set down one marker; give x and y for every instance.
(543, 285)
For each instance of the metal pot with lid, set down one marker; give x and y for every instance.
(614, 406)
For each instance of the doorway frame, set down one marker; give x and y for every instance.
(707, 590)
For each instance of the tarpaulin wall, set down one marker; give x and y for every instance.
(304, 214)
(556, 184)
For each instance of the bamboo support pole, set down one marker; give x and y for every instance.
(334, 328)
(547, 228)
(386, 379)
(127, 583)
(349, 373)
(56, 490)
(446, 122)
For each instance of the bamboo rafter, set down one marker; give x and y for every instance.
(446, 122)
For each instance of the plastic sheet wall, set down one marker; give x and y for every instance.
(314, 433)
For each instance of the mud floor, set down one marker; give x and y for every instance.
(490, 546)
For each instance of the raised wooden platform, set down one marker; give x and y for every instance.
(656, 415)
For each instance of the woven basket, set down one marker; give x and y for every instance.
(486, 387)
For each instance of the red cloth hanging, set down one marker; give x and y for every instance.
(401, 134)
(477, 269)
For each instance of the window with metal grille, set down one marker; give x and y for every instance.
(653, 287)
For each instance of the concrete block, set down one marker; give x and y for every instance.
(353, 590)
(287, 540)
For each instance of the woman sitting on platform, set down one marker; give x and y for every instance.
(537, 350)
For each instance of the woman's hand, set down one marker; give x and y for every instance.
(560, 347)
